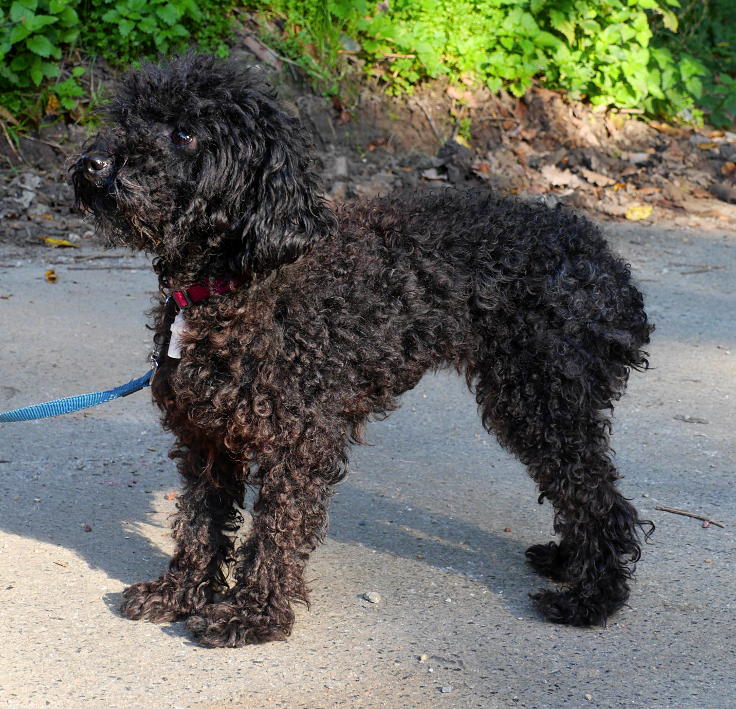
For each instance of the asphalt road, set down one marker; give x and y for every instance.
(434, 517)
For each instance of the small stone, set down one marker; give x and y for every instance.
(447, 688)
(433, 174)
(423, 657)
(589, 697)
(372, 597)
(639, 158)
(341, 167)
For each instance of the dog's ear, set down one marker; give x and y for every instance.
(283, 212)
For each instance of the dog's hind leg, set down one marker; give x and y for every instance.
(289, 521)
(206, 516)
(550, 412)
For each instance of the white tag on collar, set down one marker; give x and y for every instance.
(177, 329)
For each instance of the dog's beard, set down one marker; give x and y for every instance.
(129, 213)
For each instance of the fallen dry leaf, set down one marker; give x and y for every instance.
(689, 419)
(636, 212)
(57, 243)
(52, 104)
(560, 178)
(665, 128)
(8, 116)
(596, 178)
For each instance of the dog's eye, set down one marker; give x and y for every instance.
(181, 137)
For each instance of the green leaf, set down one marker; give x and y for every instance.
(50, 70)
(38, 44)
(68, 36)
(19, 33)
(179, 31)
(563, 25)
(190, 8)
(148, 25)
(669, 19)
(36, 71)
(168, 13)
(126, 27)
(20, 12)
(21, 62)
(68, 17)
(39, 21)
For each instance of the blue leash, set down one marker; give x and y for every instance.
(57, 407)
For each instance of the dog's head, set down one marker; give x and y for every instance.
(200, 166)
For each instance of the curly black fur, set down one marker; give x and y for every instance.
(339, 314)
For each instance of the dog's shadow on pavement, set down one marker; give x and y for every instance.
(110, 505)
(448, 543)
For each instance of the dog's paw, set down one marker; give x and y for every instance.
(548, 560)
(225, 625)
(570, 608)
(161, 601)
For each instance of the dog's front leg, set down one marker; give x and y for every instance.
(289, 521)
(206, 515)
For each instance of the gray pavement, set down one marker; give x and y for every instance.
(434, 517)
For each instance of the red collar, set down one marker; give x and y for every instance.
(204, 288)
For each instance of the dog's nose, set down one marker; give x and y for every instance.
(97, 165)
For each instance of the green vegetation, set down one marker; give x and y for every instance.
(622, 53)
(40, 65)
(669, 60)
(707, 30)
(123, 30)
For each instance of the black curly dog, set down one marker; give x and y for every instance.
(325, 318)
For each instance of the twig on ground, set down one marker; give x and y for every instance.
(701, 270)
(50, 143)
(429, 120)
(694, 515)
(8, 138)
(106, 268)
(500, 119)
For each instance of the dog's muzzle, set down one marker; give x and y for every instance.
(97, 167)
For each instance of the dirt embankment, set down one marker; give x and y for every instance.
(615, 165)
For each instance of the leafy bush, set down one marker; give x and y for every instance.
(123, 30)
(38, 36)
(708, 31)
(602, 50)
(33, 34)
